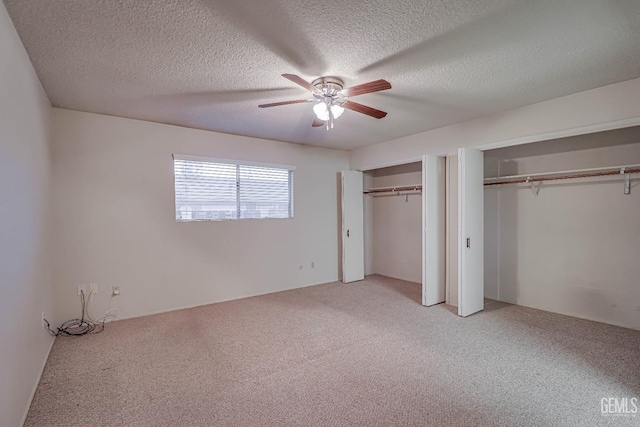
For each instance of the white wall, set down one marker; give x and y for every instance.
(24, 194)
(115, 221)
(608, 107)
(397, 225)
(573, 249)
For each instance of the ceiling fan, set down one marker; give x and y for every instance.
(331, 98)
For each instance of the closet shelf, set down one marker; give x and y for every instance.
(395, 189)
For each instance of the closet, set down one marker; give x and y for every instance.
(400, 227)
(562, 226)
(553, 225)
(393, 221)
(403, 224)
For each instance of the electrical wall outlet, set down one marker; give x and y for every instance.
(93, 288)
(115, 291)
(83, 289)
(44, 324)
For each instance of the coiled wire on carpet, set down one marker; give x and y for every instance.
(77, 327)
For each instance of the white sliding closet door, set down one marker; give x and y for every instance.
(470, 231)
(352, 226)
(433, 226)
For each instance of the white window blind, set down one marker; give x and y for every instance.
(211, 189)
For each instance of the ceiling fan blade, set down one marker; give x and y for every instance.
(354, 106)
(302, 82)
(317, 123)
(276, 104)
(374, 86)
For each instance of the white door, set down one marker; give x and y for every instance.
(352, 227)
(433, 226)
(470, 231)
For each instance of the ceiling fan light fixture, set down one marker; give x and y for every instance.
(322, 111)
(337, 110)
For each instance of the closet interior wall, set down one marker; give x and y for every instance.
(573, 248)
(393, 223)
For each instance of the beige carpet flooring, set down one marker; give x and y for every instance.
(363, 354)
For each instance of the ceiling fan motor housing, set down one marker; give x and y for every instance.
(328, 85)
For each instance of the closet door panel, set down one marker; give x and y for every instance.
(470, 231)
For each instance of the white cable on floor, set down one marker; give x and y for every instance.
(108, 316)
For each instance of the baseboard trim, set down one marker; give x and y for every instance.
(186, 307)
(578, 316)
(35, 386)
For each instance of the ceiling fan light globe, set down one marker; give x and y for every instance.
(321, 110)
(337, 110)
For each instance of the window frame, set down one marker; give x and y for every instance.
(238, 164)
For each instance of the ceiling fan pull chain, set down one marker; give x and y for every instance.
(331, 117)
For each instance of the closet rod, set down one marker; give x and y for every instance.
(551, 176)
(393, 189)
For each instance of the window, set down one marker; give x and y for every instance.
(214, 189)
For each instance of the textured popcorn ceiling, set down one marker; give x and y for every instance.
(208, 64)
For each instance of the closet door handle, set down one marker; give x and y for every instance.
(347, 233)
(469, 242)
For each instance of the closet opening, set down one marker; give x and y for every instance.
(561, 225)
(393, 222)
